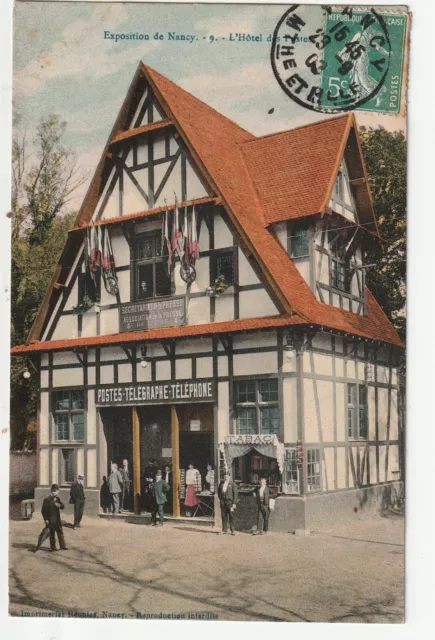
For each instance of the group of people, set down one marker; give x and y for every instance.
(228, 498)
(116, 492)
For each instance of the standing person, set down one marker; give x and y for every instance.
(105, 496)
(262, 496)
(115, 488)
(160, 489)
(228, 497)
(51, 508)
(126, 487)
(168, 479)
(77, 498)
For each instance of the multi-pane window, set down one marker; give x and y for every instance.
(257, 406)
(357, 411)
(290, 476)
(152, 278)
(69, 418)
(224, 267)
(299, 242)
(67, 470)
(339, 274)
(313, 470)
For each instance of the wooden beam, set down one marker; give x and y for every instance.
(138, 131)
(175, 440)
(136, 461)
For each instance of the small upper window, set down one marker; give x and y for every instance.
(299, 242)
(224, 267)
(338, 187)
(152, 278)
(68, 410)
(339, 275)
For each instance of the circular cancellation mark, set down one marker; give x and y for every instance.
(331, 60)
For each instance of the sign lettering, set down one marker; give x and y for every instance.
(152, 314)
(156, 393)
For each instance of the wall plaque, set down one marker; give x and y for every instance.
(152, 314)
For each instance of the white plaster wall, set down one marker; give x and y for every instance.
(91, 419)
(112, 353)
(112, 206)
(43, 467)
(289, 361)
(91, 375)
(64, 357)
(341, 414)
(313, 428)
(351, 369)
(124, 373)
(143, 375)
(224, 308)
(109, 322)
(394, 417)
(201, 345)
(55, 466)
(124, 285)
(204, 237)
(66, 328)
(106, 374)
(183, 369)
(303, 266)
(393, 465)
(310, 417)
(199, 311)
(223, 417)
(346, 304)
(290, 410)
(339, 367)
(89, 324)
(91, 479)
(280, 231)
(163, 370)
(383, 373)
(223, 237)
(204, 367)
(361, 371)
(246, 272)
(326, 403)
(44, 379)
(195, 188)
(67, 377)
(341, 468)
(120, 246)
(80, 461)
(322, 268)
(371, 412)
(44, 360)
(255, 339)
(72, 300)
(329, 467)
(172, 185)
(222, 366)
(44, 419)
(255, 363)
(256, 304)
(202, 281)
(383, 476)
(159, 144)
(382, 412)
(322, 364)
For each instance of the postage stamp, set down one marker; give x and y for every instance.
(343, 59)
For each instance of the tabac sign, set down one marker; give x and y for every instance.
(254, 439)
(152, 314)
(142, 393)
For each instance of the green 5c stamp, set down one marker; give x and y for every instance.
(334, 60)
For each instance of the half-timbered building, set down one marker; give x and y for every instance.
(262, 351)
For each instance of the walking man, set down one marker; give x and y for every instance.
(115, 488)
(262, 496)
(51, 507)
(160, 489)
(126, 487)
(77, 498)
(228, 497)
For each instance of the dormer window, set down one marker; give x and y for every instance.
(151, 277)
(299, 241)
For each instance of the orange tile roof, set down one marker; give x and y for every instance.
(232, 161)
(292, 171)
(185, 331)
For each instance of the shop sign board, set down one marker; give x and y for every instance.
(152, 314)
(169, 392)
(254, 439)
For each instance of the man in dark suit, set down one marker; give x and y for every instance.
(228, 497)
(77, 498)
(126, 501)
(167, 477)
(262, 496)
(51, 507)
(160, 489)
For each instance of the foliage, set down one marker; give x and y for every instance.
(83, 306)
(43, 180)
(385, 158)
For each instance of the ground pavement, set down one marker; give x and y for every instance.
(350, 573)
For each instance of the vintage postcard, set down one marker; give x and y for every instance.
(208, 320)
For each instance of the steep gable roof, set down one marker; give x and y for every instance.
(229, 158)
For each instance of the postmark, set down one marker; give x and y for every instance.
(335, 60)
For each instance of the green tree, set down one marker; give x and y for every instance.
(43, 180)
(385, 158)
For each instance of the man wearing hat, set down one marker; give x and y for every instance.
(228, 498)
(51, 507)
(159, 490)
(77, 498)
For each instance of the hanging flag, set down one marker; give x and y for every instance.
(94, 261)
(176, 233)
(108, 263)
(186, 247)
(194, 247)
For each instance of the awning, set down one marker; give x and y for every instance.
(239, 445)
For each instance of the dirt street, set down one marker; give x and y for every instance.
(345, 574)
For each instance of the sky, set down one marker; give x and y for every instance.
(63, 64)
